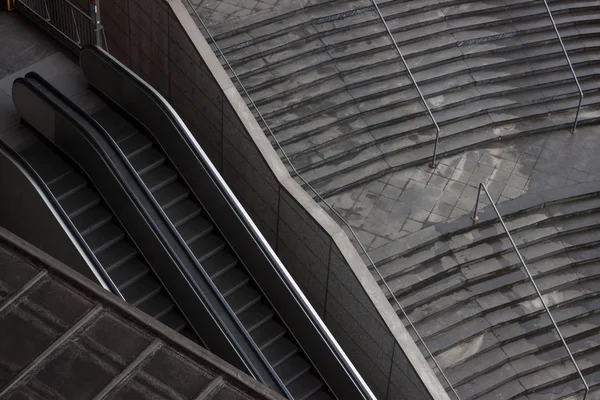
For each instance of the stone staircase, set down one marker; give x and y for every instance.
(465, 290)
(330, 85)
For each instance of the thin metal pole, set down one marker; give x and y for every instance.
(514, 245)
(312, 189)
(570, 66)
(433, 163)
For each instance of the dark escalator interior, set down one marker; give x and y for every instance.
(101, 231)
(216, 257)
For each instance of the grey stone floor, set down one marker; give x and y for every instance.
(219, 11)
(397, 204)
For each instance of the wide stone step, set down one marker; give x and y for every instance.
(367, 46)
(475, 131)
(453, 106)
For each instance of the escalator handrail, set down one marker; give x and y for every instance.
(62, 217)
(241, 213)
(115, 147)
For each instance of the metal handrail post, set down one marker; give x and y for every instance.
(312, 189)
(514, 245)
(570, 66)
(433, 163)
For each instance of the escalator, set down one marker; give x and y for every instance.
(174, 243)
(88, 218)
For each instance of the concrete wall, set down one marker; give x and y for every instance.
(159, 41)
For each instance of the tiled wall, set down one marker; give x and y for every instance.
(160, 42)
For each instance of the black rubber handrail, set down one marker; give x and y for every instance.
(244, 218)
(72, 232)
(101, 151)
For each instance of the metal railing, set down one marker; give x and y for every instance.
(514, 245)
(433, 163)
(66, 19)
(570, 65)
(318, 195)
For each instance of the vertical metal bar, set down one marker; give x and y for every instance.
(76, 29)
(537, 290)
(312, 189)
(570, 65)
(433, 163)
(48, 19)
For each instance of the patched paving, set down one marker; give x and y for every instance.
(406, 201)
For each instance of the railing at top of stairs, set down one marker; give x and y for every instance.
(67, 20)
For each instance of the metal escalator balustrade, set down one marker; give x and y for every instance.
(111, 253)
(142, 103)
(97, 153)
(215, 256)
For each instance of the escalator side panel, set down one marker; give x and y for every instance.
(25, 212)
(71, 135)
(144, 105)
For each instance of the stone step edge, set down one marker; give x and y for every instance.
(423, 113)
(530, 316)
(397, 31)
(529, 371)
(499, 235)
(545, 347)
(513, 268)
(431, 81)
(446, 148)
(540, 330)
(390, 47)
(487, 216)
(588, 76)
(493, 275)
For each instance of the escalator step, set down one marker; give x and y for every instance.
(268, 333)
(141, 290)
(292, 368)
(118, 127)
(104, 237)
(232, 280)
(173, 320)
(147, 160)
(79, 201)
(128, 273)
(92, 219)
(195, 228)
(116, 254)
(304, 386)
(43, 160)
(183, 211)
(243, 298)
(171, 194)
(206, 246)
(219, 263)
(280, 351)
(254, 316)
(157, 305)
(159, 177)
(67, 184)
(320, 394)
(134, 144)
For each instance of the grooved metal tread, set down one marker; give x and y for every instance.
(103, 235)
(225, 270)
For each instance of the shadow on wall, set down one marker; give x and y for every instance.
(160, 42)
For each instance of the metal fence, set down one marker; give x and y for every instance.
(63, 18)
